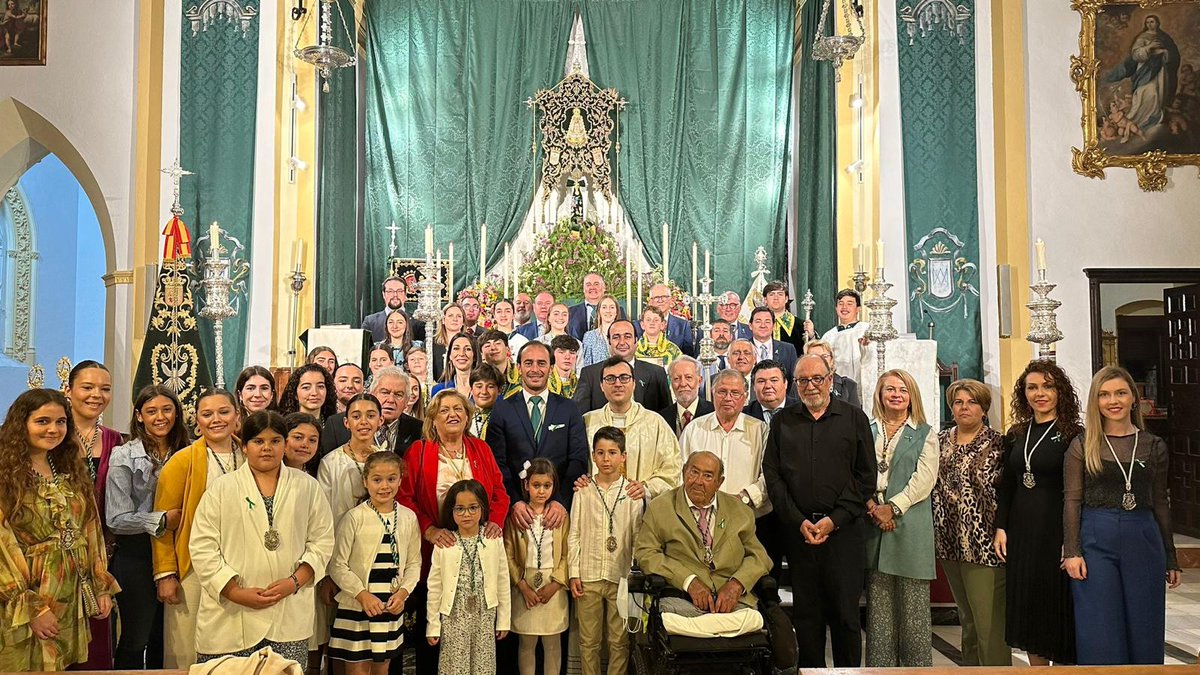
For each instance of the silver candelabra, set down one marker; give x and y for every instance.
(217, 308)
(707, 351)
(882, 329)
(1044, 332)
(429, 308)
(808, 305)
(860, 278)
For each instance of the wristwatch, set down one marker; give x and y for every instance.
(896, 513)
(746, 500)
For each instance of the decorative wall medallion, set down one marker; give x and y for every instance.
(942, 278)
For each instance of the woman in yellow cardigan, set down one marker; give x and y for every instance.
(181, 483)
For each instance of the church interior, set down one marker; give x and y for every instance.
(193, 187)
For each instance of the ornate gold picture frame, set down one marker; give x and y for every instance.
(23, 32)
(1136, 74)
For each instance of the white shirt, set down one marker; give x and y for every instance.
(741, 449)
(761, 348)
(545, 396)
(847, 352)
(588, 557)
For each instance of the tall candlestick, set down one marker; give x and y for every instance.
(428, 240)
(438, 266)
(695, 266)
(666, 258)
(214, 240)
(483, 253)
(298, 255)
(450, 274)
(1040, 247)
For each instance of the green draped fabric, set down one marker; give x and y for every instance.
(340, 296)
(218, 96)
(815, 247)
(705, 138)
(447, 131)
(937, 108)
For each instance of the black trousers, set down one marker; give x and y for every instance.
(140, 646)
(827, 583)
(769, 530)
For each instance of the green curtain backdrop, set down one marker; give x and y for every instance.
(341, 296)
(815, 246)
(937, 108)
(447, 130)
(705, 138)
(218, 92)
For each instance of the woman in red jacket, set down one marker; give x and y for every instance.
(445, 456)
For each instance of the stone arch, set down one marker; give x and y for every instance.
(18, 270)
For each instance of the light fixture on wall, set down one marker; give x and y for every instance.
(299, 10)
(324, 56)
(834, 47)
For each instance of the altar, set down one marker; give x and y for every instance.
(919, 358)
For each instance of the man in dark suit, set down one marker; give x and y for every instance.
(390, 385)
(583, 316)
(538, 323)
(729, 308)
(762, 327)
(684, 373)
(394, 298)
(532, 422)
(650, 381)
(770, 391)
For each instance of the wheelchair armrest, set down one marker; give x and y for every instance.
(767, 590)
(650, 584)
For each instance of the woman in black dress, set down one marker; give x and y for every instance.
(1029, 530)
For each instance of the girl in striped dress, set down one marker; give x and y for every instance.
(376, 564)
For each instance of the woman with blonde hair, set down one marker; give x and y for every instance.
(964, 522)
(1117, 539)
(900, 561)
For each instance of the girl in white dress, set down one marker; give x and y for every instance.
(537, 563)
(376, 564)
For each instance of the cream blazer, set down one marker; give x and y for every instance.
(443, 582)
(227, 543)
(357, 543)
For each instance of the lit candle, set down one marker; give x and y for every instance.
(214, 240)
(428, 240)
(666, 258)
(450, 274)
(1040, 247)
(482, 253)
(695, 266)
(298, 255)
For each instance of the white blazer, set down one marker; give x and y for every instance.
(443, 582)
(227, 543)
(357, 543)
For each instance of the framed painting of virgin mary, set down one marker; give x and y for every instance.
(23, 32)
(1136, 74)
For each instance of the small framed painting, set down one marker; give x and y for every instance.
(23, 33)
(1136, 75)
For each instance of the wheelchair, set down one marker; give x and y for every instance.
(764, 652)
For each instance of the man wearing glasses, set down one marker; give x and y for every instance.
(650, 385)
(679, 331)
(394, 298)
(820, 470)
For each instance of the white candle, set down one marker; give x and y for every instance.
(298, 255)
(707, 267)
(666, 258)
(483, 253)
(214, 240)
(641, 271)
(507, 271)
(428, 240)
(450, 274)
(437, 265)
(879, 253)
(695, 266)
(1040, 247)
(858, 258)
(628, 272)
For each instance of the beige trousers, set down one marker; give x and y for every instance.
(179, 625)
(597, 615)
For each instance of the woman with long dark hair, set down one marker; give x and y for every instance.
(309, 390)
(53, 567)
(463, 357)
(1029, 507)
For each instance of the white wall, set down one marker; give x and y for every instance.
(1087, 222)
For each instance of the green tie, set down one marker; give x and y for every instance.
(536, 418)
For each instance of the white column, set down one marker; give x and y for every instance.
(262, 265)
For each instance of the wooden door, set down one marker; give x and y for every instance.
(1181, 305)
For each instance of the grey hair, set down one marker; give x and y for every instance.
(390, 371)
(811, 344)
(683, 359)
(828, 368)
(720, 464)
(729, 374)
(749, 342)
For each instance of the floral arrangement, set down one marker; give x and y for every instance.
(562, 255)
(488, 293)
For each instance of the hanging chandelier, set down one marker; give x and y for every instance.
(834, 47)
(324, 56)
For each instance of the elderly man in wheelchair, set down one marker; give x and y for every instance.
(704, 576)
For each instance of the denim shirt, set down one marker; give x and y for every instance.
(129, 495)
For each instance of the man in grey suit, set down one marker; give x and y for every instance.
(844, 388)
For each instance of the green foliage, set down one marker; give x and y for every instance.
(564, 254)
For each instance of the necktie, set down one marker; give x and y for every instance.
(762, 353)
(591, 310)
(701, 515)
(535, 416)
(721, 360)
(768, 414)
(687, 418)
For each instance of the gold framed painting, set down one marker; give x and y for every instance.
(1136, 75)
(23, 32)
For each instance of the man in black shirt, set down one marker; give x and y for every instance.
(820, 470)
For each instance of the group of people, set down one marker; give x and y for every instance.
(350, 516)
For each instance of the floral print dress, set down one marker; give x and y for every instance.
(38, 548)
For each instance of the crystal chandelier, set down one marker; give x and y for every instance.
(324, 56)
(834, 47)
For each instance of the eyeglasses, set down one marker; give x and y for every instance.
(396, 291)
(815, 381)
(613, 379)
(660, 297)
(466, 510)
(729, 393)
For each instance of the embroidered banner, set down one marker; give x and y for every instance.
(937, 107)
(218, 91)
